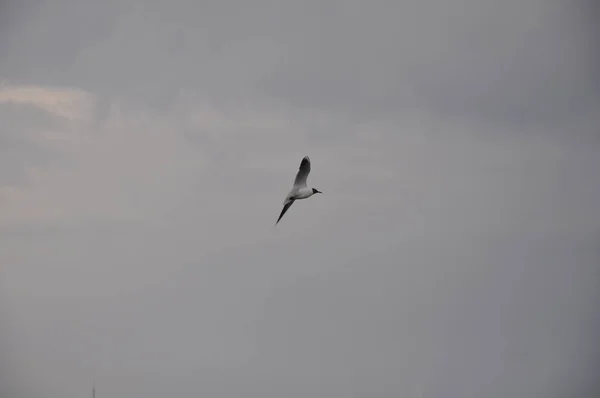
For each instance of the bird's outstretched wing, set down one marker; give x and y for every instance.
(302, 174)
(285, 209)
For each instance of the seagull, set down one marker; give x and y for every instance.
(299, 190)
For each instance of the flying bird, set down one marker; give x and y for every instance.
(299, 190)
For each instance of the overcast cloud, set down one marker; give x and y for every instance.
(146, 149)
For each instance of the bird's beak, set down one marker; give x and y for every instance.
(319, 191)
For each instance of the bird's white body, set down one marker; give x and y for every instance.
(299, 190)
(299, 193)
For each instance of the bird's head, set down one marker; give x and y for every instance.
(315, 190)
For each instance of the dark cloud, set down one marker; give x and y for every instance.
(511, 62)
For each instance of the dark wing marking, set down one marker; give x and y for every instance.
(303, 171)
(285, 209)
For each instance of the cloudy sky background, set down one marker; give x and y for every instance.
(146, 149)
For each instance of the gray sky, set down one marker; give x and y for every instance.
(146, 149)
